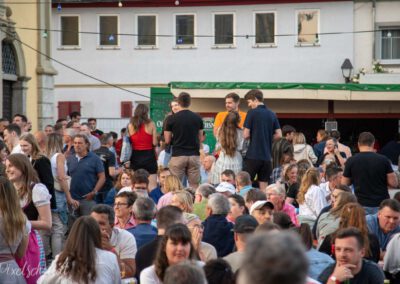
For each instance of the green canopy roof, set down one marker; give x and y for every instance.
(283, 86)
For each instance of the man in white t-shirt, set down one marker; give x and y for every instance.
(11, 137)
(116, 240)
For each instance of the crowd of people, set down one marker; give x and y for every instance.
(81, 206)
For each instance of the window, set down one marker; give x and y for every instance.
(307, 27)
(265, 28)
(147, 30)
(9, 59)
(223, 29)
(66, 107)
(184, 27)
(69, 30)
(108, 29)
(126, 109)
(389, 43)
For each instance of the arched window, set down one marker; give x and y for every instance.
(9, 63)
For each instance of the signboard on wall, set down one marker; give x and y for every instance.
(160, 99)
(208, 129)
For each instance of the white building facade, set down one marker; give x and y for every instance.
(141, 47)
(381, 46)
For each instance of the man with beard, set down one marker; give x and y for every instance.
(232, 102)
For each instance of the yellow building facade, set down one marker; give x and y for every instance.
(27, 81)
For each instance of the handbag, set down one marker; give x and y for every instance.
(126, 151)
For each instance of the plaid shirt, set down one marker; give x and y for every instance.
(276, 175)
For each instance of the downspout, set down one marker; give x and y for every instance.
(374, 27)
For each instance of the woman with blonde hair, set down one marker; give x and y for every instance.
(311, 197)
(184, 201)
(124, 179)
(143, 136)
(302, 150)
(230, 139)
(172, 184)
(35, 202)
(291, 184)
(14, 231)
(53, 240)
(353, 215)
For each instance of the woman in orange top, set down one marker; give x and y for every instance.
(143, 136)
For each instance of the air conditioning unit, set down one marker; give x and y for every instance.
(331, 125)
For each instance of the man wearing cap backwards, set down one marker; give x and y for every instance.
(226, 189)
(244, 227)
(262, 211)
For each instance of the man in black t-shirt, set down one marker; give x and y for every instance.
(187, 129)
(370, 173)
(350, 265)
(108, 159)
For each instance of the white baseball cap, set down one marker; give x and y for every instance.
(126, 188)
(260, 204)
(225, 186)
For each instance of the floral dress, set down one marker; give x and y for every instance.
(226, 162)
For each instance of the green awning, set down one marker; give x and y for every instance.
(299, 91)
(285, 86)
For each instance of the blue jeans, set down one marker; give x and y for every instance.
(62, 209)
(370, 210)
(53, 240)
(167, 157)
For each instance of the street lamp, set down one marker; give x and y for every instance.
(347, 67)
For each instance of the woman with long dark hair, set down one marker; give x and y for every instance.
(230, 138)
(143, 136)
(175, 247)
(14, 231)
(35, 202)
(83, 260)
